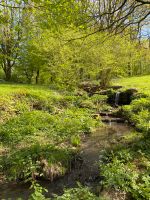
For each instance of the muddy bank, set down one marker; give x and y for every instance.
(86, 167)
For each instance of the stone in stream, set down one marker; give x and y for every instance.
(112, 119)
(116, 87)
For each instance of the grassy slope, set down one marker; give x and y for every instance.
(10, 89)
(142, 83)
(39, 125)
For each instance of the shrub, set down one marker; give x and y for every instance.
(128, 169)
(126, 177)
(138, 113)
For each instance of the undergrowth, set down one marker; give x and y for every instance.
(127, 167)
(78, 193)
(41, 129)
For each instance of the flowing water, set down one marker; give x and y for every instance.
(86, 169)
(117, 98)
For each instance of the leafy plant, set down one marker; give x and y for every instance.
(38, 192)
(75, 140)
(79, 193)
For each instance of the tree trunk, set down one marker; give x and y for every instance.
(37, 76)
(8, 75)
(105, 78)
(129, 69)
(8, 70)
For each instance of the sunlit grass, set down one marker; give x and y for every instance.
(142, 83)
(11, 88)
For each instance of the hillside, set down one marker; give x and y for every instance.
(140, 82)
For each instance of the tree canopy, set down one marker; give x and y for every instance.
(67, 42)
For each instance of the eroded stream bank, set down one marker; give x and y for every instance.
(86, 169)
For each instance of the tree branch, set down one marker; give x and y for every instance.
(143, 2)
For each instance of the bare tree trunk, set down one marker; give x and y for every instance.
(8, 74)
(129, 69)
(37, 76)
(7, 68)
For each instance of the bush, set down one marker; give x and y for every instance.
(126, 177)
(138, 113)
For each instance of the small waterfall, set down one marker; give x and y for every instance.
(117, 98)
(109, 122)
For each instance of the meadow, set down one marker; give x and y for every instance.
(142, 83)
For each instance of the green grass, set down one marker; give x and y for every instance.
(140, 82)
(10, 88)
(39, 125)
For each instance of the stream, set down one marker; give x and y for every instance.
(86, 169)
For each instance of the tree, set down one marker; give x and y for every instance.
(11, 34)
(46, 41)
(117, 15)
